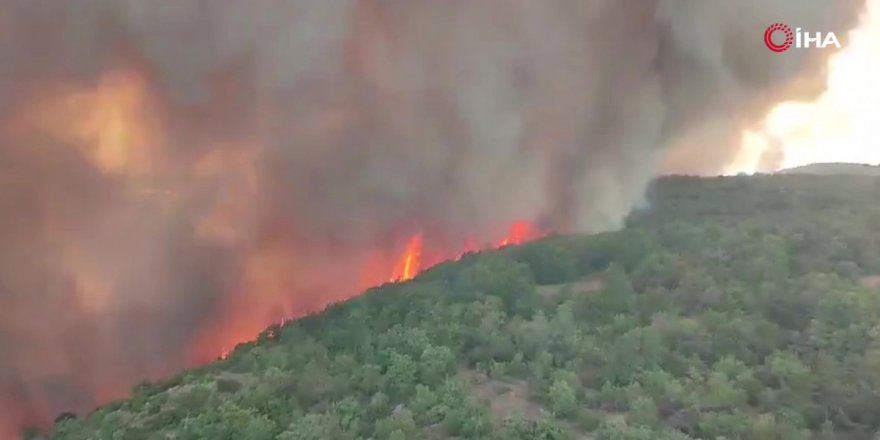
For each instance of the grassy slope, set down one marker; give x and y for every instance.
(732, 307)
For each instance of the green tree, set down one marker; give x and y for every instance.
(401, 373)
(399, 423)
(313, 427)
(562, 397)
(643, 412)
(436, 363)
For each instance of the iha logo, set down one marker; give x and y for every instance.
(800, 39)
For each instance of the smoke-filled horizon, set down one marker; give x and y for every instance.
(177, 175)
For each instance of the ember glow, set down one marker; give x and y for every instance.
(175, 178)
(519, 232)
(409, 263)
(268, 284)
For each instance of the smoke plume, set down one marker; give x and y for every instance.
(176, 175)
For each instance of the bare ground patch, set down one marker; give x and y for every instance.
(872, 281)
(505, 398)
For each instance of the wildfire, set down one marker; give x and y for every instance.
(409, 263)
(117, 128)
(519, 232)
(406, 265)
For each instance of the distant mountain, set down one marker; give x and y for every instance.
(827, 169)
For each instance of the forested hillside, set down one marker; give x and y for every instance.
(736, 307)
(830, 169)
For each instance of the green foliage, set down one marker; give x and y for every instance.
(549, 263)
(519, 428)
(731, 308)
(643, 412)
(400, 424)
(313, 427)
(436, 364)
(401, 374)
(563, 400)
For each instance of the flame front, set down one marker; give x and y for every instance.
(242, 327)
(162, 208)
(410, 262)
(520, 231)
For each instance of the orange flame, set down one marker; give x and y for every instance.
(520, 231)
(406, 266)
(409, 263)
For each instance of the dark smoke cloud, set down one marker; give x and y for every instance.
(281, 143)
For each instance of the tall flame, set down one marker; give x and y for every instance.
(520, 231)
(409, 263)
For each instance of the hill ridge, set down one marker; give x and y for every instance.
(731, 307)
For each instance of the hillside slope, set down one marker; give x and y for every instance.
(828, 169)
(732, 308)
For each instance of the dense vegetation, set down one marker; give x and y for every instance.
(738, 307)
(832, 169)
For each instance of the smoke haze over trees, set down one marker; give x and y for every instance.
(737, 307)
(175, 176)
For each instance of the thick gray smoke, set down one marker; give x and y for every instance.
(173, 174)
